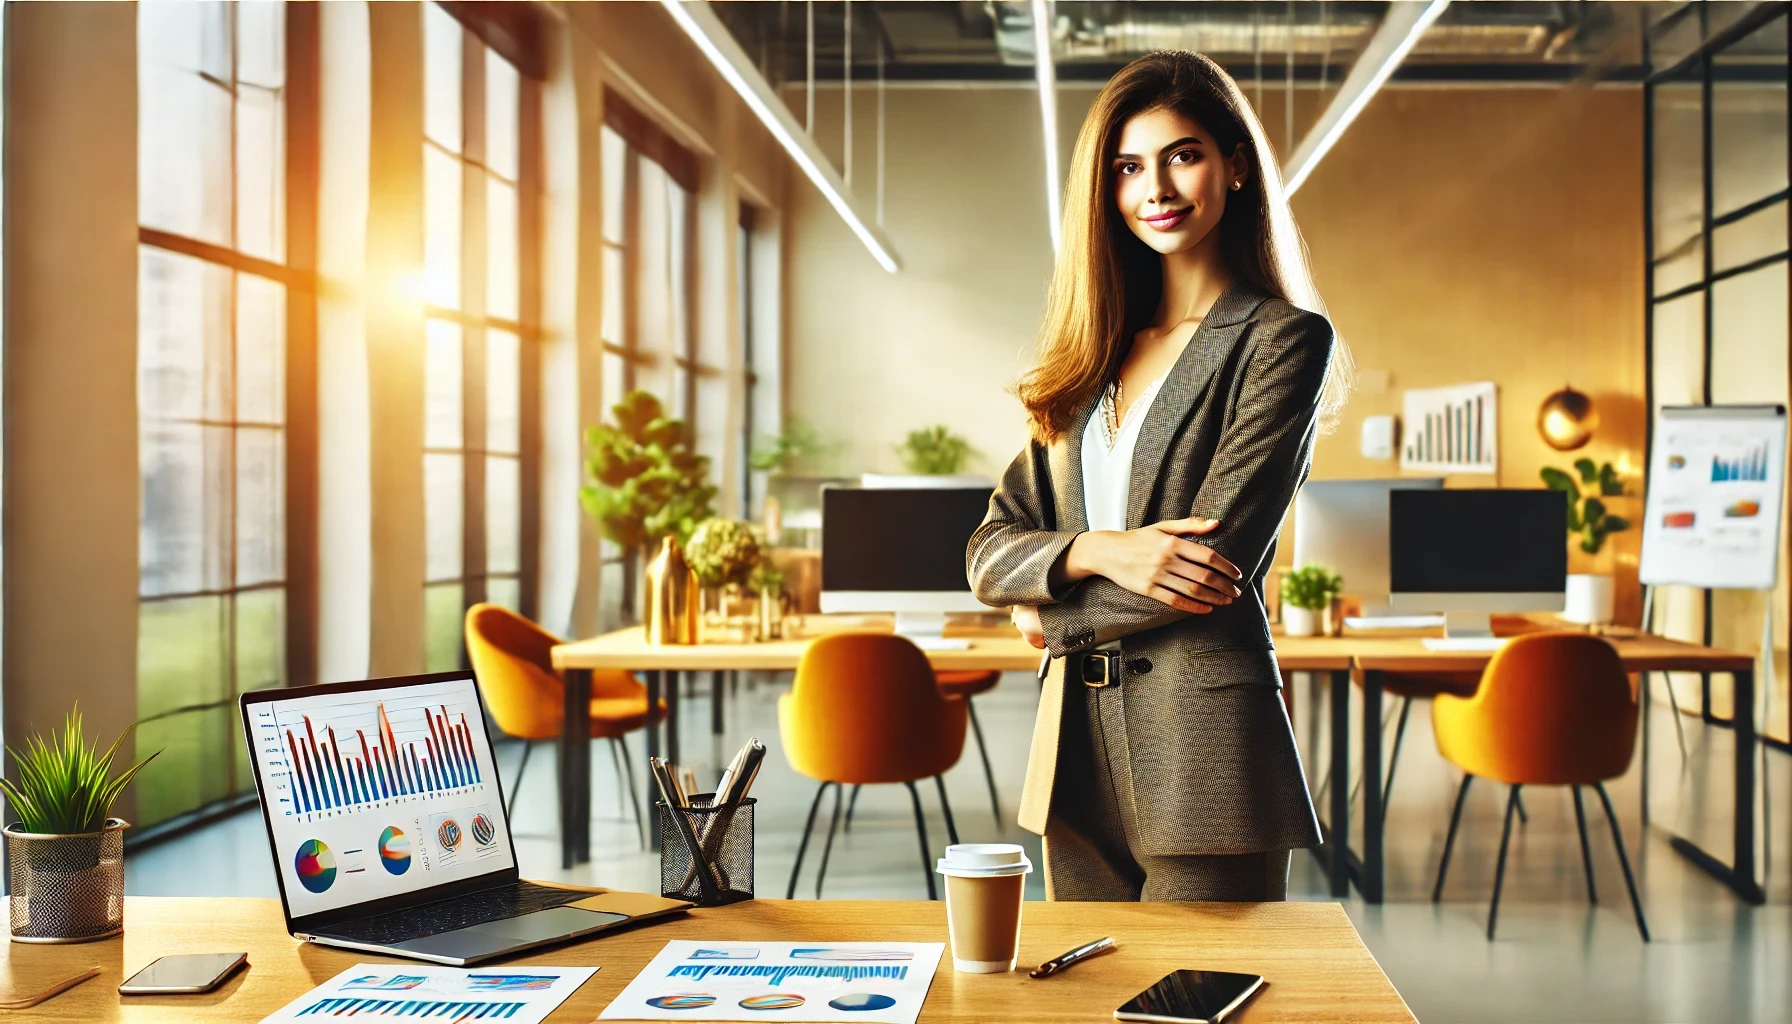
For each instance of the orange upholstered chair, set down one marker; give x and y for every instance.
(865, 709)
(526, 696)
(1553, 709)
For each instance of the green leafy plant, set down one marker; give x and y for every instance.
(63, 786)
(934, 451)
(645, 482)
(764, 579)
(1587, 517)
(723, 552)
(798, 447)
(1311, 587)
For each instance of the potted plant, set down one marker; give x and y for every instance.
(65, 853)
(1307, 595)
(934, 451)
(722, 555)
(1589, 596)
(645, 481)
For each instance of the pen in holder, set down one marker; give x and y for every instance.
(711, 861)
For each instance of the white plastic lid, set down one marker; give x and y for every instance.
(984, 860)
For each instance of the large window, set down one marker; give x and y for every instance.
(213, 289)
(473, 154)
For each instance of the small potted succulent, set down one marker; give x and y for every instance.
(1309, 596)
(65, 853)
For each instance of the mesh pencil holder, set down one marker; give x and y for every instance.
(718, 869)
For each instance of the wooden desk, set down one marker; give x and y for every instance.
(999, 648)
(1317, 967)
(1376, 656)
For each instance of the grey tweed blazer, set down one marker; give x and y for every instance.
(1229, 437)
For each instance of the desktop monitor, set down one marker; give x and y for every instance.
(1470, 552)
(900, 550)
(1343, 525)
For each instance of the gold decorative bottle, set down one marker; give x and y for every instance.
(671, 597)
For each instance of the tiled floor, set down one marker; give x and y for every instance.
(1556, 958)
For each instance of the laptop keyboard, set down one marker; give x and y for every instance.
(462, 912)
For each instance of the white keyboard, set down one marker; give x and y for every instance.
(1463, 643)
(1393, 621)
(941, 643)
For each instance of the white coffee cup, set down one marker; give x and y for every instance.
(985, 886)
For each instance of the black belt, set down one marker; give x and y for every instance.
(1100, 668)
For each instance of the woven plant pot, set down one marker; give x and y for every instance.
(66, 888)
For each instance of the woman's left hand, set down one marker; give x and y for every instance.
(1026, 619)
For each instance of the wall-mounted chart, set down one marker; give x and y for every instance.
(1716, 477)
(1451, 430)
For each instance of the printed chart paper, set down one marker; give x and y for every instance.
(875, 982)
(1452, 430)
(381, 992)
(1712, 518)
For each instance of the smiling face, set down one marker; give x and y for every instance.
(1170, 179)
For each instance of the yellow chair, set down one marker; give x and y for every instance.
(525, 694)
(1553, 709)
(865, 709)
(964, 685)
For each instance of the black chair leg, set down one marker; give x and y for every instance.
(1524, 816)
(517, 786)
(1443, 866)
(946, 805)
(1499, 872)
(1586, 850)
(921, 831)
(1387, 786)
(1623, 860)
(797, 868)
(995, 800)
(850, 804)
(827, 848)
(634, 795)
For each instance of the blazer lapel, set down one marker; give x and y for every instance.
(1187, 381)
(1067, 472)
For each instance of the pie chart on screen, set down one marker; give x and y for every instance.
(395, 851)
(316, 865)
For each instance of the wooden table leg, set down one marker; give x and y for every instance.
(575, 769)
(1739, 874)
(1338, 830)
(653, 750)
(1372, 872)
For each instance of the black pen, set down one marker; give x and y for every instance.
(1075, 956)
(1045, 664)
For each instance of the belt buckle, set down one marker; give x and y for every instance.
(1096, 678)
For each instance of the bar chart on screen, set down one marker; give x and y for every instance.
(327, 760)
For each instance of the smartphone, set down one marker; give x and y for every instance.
(180, 975)
(1191, 997)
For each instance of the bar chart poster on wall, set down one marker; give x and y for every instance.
(1717, 476)
(1451, 430)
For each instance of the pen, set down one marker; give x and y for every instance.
(1075, 956)
(1045, 664)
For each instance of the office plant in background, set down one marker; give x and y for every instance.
(723, 554)
(65, 853)
(643, 480)
(934, 451)
(1310, 601)
(1590, 595)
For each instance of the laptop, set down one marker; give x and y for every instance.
(386, 821)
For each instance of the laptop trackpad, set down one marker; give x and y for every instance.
(495, 936)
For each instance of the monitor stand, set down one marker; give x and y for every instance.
(919, 625)
(1459, 624)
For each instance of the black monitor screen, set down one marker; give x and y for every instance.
(898, 539)
(1477, 541)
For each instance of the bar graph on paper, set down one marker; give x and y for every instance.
(1451, 430)
(368, 753)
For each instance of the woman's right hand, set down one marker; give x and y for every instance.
(1158, 562)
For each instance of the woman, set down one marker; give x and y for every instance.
(1183, 371)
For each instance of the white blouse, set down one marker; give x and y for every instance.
(1107, 471)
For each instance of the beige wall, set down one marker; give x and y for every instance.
(1458, 235)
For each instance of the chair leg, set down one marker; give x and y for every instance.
(1586, 851)
(827, 848)
(1679, 726)
(850, 804)
(995, 800)
(517, 786)
(1623, 860)
(1443, 866)
(1499, 872)
(946, 805)
(797, 868)
(1387, 786)
(921, 831)
(634, 794)
(1524, 816)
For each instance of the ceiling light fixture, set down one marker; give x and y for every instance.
(1400, 30)
(1046, 72)
(706, 30)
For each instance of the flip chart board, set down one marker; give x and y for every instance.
(1716, 479)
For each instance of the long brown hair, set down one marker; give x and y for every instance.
(1107, 283)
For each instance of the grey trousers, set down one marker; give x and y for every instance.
(1091, 844)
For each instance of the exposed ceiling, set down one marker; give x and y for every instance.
(1474, 40)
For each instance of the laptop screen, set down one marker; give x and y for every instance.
(378, 792)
